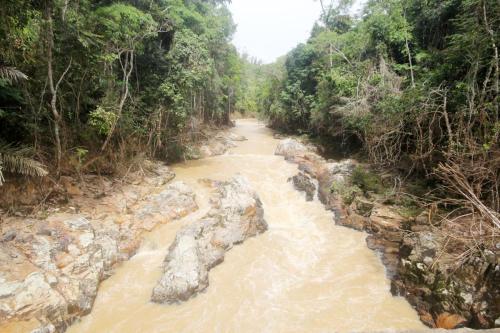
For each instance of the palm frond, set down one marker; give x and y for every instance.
(12, 74)
(17, 160)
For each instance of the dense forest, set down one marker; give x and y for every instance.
(413, 85)
(91, 84)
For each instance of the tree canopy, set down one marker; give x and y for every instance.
(108, 76)
(414, 83)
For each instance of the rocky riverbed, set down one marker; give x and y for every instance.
(51, 263)
(444, 294)
(51, 268)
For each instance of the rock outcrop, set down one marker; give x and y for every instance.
(50, 269)
(236, 215)
(290, 148)
(304, 183)
(421, 261)
(325, 172)
(441, 275)
(218, 144)
(444, 293)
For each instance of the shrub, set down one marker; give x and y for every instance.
(367, 181)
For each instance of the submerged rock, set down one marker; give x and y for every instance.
(236, 215)
(235, 137)
(45, 329)
(304, 183)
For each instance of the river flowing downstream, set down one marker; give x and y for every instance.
(305, 274)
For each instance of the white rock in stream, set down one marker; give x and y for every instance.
(236, 215)
(219, 144)
(290, 147)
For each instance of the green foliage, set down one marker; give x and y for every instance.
(123, 25)
(346, 191)
(415, 82)
(140, 70)
(367, 181)
(81, 153)
(18, 160)
(11, 74)
(102, 120)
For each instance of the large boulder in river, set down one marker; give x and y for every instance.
(304, 183)
(236, 215)
(219, 144)
(329, 174)
(289, 148)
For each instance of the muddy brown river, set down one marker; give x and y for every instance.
(305, 274)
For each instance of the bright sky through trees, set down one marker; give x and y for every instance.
(268, 29)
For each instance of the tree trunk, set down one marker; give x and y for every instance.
(410, 61)
(53, 88)
(127, 68)
(496, 84)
